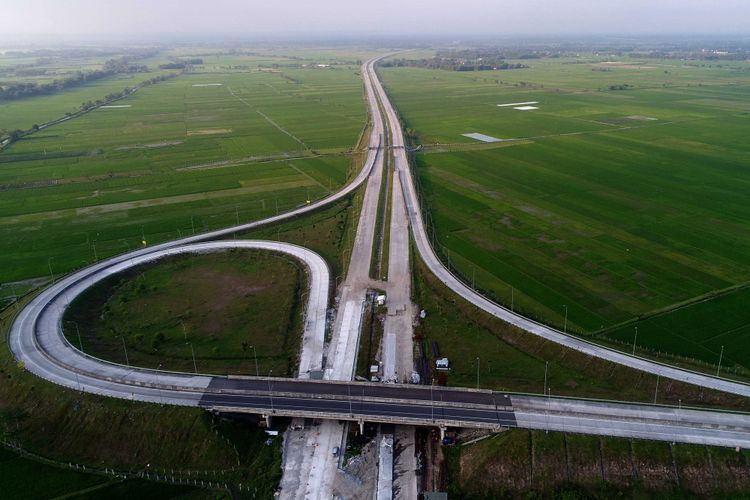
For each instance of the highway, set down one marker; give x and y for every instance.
(428, 256)
(37, 341)
(444, 407)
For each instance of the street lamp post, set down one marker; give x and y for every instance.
(477, 372)
(195, 365)
(125, 349)
(255, 355)
(80, 342)
(49, 264)
(565, 323)
(161, 401)
(546, 365)
(15, 295)
(721, 355)
(432, 400)
(349, 390)
(635, 339)
(270, 392)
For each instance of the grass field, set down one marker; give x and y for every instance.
(228, 303)
(183, 156)
(65, 426)
(614, 204)
(24, 478)
(511, 360)
(533, 464)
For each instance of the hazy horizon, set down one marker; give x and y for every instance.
(343, 19)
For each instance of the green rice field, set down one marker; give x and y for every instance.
(608, 205)
(223, 144)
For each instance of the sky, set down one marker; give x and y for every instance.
(332, 18)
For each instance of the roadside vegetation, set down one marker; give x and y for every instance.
(20, 478)
(510, 359)
(65, 426)
(615, 205)
(535, 464)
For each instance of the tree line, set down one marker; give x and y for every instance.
(181, 63)
(459, 60)
(8, 137)
(30, 89)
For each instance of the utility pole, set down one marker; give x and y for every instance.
(635, 339)
(192, 223)
(512, 297)
(546, 365)
(721, 355)
(473, 275)
(656, 389)
(565, 323)
(49, 264)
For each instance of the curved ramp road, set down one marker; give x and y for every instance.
(37, 339)
(451, 281)
(37, 326)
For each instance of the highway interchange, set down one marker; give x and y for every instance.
(36, 338)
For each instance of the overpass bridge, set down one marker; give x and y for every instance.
(444, 407)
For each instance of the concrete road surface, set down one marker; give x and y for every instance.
(427, 254)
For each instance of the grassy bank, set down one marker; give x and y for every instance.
(514, 360)
(534, 464)
(223, 308)
(20, 478)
